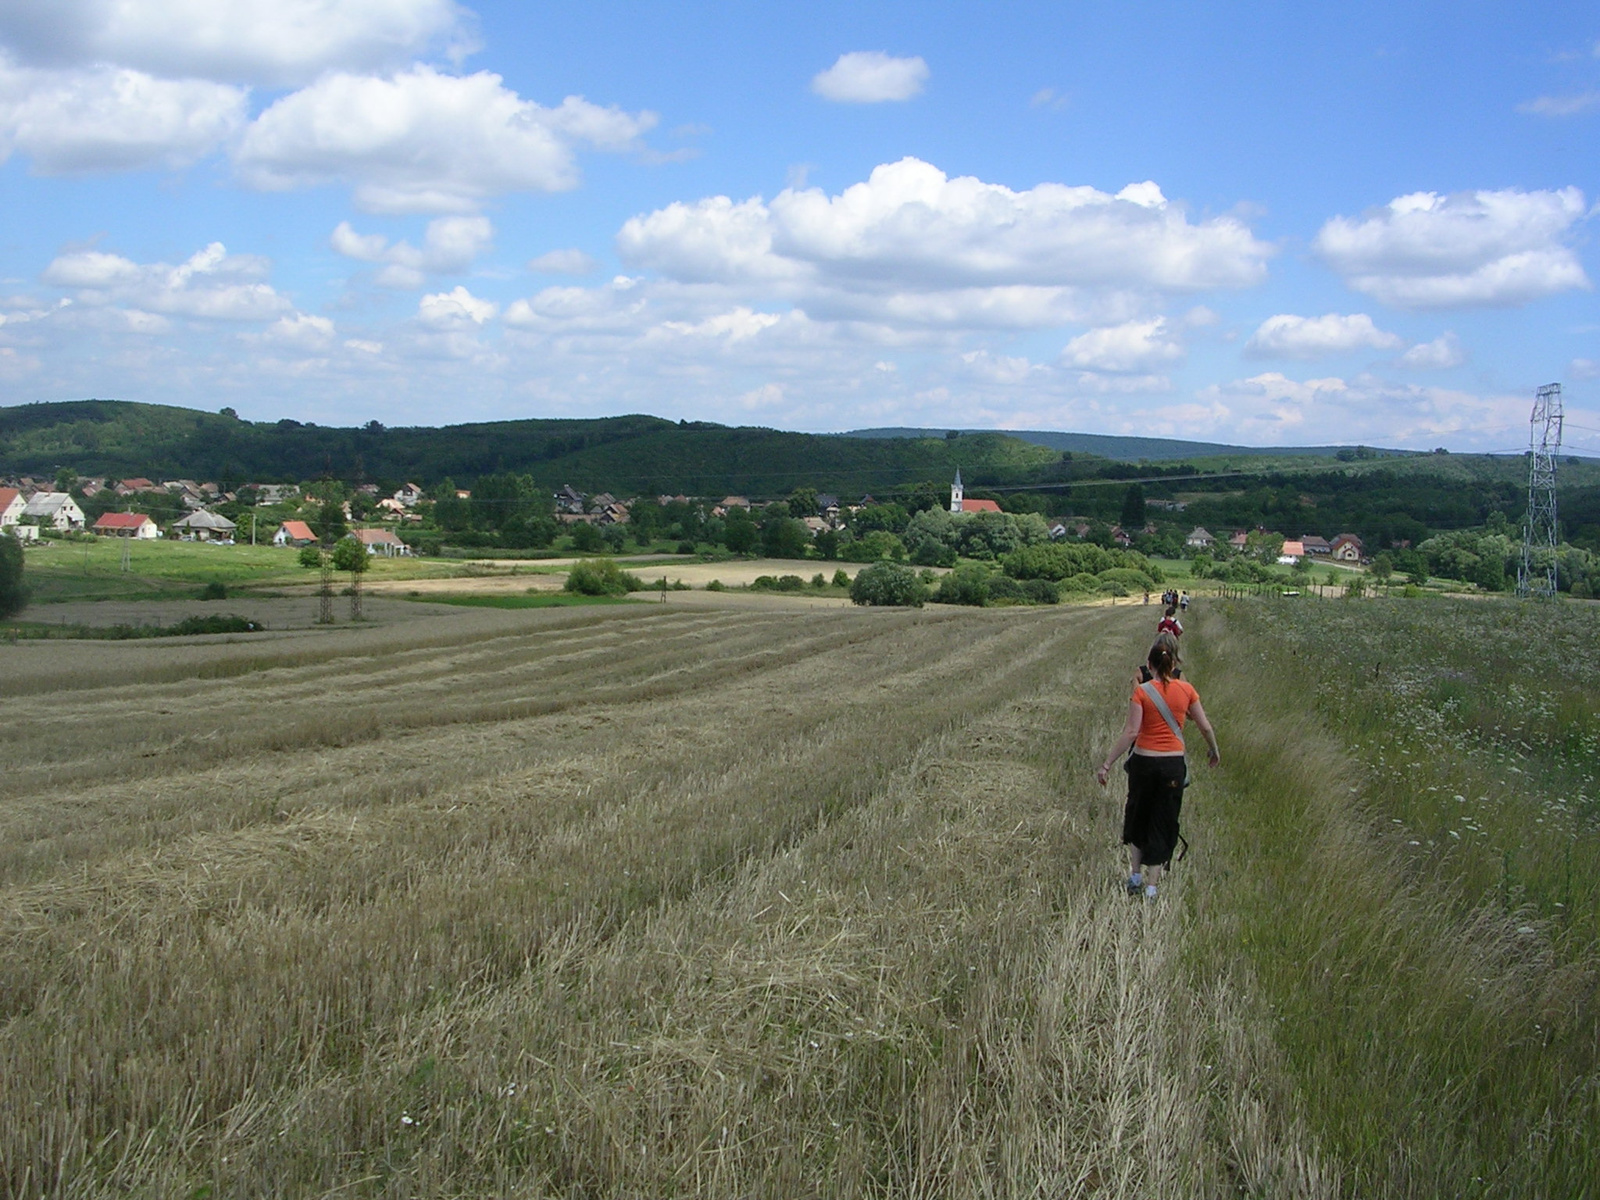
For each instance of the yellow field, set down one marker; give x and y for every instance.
(638, 901)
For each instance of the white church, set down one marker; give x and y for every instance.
(960, 504)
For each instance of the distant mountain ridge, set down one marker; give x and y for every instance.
(1120, 449)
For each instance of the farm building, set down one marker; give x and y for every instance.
(203, 526)
(128, 525)
(381, 541)
(56, 509)
(1293, 551)
(1200, 538)
(1316, 546)
(293, 533)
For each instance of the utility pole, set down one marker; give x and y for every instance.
(1536, 573)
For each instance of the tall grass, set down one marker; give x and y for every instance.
(1441, 1033)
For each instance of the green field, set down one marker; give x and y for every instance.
(647, 901)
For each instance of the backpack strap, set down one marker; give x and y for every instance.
(1150, 690)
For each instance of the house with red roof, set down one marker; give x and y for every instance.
(293, 533)
(128, 525)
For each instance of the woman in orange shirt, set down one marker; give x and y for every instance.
(1157, 769)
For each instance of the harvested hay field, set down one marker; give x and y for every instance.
(627, 902)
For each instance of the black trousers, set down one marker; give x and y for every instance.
(1155, 799)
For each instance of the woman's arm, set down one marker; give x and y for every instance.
(1199, 715)
(1130, 730)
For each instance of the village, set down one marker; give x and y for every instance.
(411, 519)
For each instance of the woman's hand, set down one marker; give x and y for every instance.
(1213, 756)
(1102, 773)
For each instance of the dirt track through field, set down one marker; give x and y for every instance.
(627, 903)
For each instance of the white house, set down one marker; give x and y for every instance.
(56, 509)
(1200, 538)
(11, 506)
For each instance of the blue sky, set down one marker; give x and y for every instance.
(1237, 222)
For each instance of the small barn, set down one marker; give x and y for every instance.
(128, 525)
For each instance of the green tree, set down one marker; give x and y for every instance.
(330, 524)
(586, 538)
(740, 534)
(1133, 508)
(13, 591)
(786, 537)
(311, 557)
(350, 555)
(803, 502)
(1382, 567)
(886, 584)
(601, 577)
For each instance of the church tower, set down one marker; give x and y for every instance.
(955, 493)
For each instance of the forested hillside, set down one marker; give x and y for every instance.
(633, 454)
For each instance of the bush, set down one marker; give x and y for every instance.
(1005, 590)
(715, 586)
(1083, 583)
(967, 585)
(819, 581)
(1126, 578)
(778, 583)
(601, 577)
(686, 548)
(310, 556)
(13, 593)
(841, 579)
(884, 584)
(1041, 591)
(879, 544)
(214, 591)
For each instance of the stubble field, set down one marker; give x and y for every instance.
(644, 901)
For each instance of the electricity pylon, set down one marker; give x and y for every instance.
(1536, 573)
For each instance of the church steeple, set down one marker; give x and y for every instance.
(955, 493)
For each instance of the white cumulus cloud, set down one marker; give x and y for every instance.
(106, 118)
(1443, 352)
(871, 77)
(249, 41)
(912, 244)
(302, 331)
(1289, 336)
(1471, 248)
(425, 142)
(1131, 346)
(456, 309)
(210, 284)
(450, 245)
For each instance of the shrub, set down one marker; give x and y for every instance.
(686, 548)
(310, 556)
(1005, 590)
(715, 586)
(879, 544)
(841, 579)
(819, 581)
(214, 591)
(601, 577)
(13, 593)
(1126, 578)
(965, 585)
(884, 584)
(1083, 583)
(1041, 591)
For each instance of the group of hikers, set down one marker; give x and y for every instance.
(1157, 769)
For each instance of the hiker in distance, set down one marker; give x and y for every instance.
(1169, 622)
(1157, 770)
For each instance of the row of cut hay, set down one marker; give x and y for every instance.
(846, 925)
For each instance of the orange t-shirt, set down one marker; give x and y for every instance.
(1154, 732)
